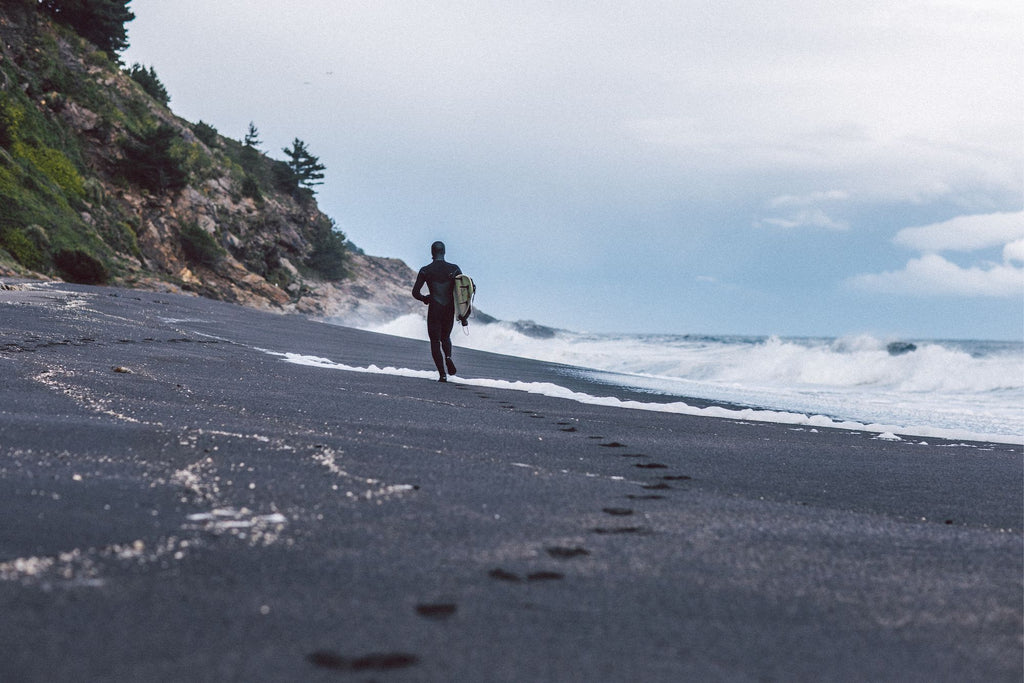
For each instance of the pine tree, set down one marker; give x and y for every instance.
(307, 169)
(252, 137)
(150, 82)
(101, 22)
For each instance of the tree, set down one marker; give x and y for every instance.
(101, 22)
(150, 82)
(306, 168)
(329, 255)
(252, 137)
(151, 160)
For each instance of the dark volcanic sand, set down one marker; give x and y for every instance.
(176, 504)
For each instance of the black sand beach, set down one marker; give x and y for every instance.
(176, 504)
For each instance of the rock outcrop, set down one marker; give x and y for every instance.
(379, 289)
(94, 169)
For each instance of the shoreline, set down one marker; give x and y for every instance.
(689, 406)
(831, 407)
(184, 505)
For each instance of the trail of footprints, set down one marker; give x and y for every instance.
(383, 662)
(621, 513)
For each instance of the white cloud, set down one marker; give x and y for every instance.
(807, 218)
(965, 233)
(787, 200)
(932, 274)
(805, 211)
(1014, 252)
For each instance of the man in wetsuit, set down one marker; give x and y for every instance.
(439, 277)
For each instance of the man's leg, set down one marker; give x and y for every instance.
(435, 331)
(435, 352)
(446, 341)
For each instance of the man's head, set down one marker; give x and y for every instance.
(437, 249)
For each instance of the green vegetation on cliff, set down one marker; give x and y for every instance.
(100, 181)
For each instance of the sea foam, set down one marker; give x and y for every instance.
(969, 389)
(885, 431)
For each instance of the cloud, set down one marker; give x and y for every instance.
(965, 233)
(787, 200)
(804, 211)
(933, 274)
(808, 218)
(1014, 251)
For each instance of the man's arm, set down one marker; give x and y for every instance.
(420, 281)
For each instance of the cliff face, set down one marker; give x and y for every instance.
(378, 289)
(101, 182)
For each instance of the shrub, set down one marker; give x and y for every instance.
(119, 236)
(152, 163)
(11, 116)
(38, 237)
(27, 197)
(22, 249)
(98, 58)
(206, 133)
(150, 82)
(251, 188)
(81, 267)
(200, 246)
(329, 255)
(55, 166)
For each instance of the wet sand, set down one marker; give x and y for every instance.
(179, 504)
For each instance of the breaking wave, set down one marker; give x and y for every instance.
(969, 386)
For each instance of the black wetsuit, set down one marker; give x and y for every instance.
(439, 277)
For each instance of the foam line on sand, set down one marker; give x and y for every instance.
(678, 407)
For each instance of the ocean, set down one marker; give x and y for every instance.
(970, 390)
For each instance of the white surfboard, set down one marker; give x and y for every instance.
(465, 290)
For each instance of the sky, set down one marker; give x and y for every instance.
(766, 167)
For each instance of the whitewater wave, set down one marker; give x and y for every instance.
(963, 386)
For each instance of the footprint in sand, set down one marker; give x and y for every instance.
(621, 530)
(565, 553)
(327, 659)
(436, 610)
(502, 575)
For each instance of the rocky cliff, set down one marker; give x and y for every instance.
(101, 182)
